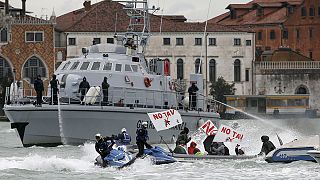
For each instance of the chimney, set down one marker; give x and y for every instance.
(87, 5)
(23, 7)
(6, 6)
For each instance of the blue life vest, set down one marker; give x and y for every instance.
(142, 135)
(126, 139)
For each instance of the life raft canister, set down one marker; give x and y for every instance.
(147, 82)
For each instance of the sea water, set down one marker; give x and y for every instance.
(76, 162)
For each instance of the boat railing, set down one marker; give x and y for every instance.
(119, 97)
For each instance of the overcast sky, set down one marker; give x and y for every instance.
(194, 10)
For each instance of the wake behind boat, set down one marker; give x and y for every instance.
(133, 93)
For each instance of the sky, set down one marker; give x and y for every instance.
(193, 10)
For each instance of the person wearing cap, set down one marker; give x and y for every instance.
(142, 137)
(124, 138)
(105, 86)
(83, 88)
(103, 145)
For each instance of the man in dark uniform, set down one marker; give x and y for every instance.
(267, 145)
(105, 87)
(54, 90)
(38, 86)
(142, 137)
(103, 146)
(193, 96)
(83, 88)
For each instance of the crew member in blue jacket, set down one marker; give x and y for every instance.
(124, 138)
(142, 137)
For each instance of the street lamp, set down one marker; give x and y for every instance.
(279, 89)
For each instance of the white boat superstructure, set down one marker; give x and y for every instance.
(133, 93)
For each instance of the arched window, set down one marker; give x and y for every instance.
(32, 68)
(302, 89)
(5, 69)
(180, 69)
(237, 70)
(197, 64)
(212, 70)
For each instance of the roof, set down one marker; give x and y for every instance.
(109, 16)
(275, 13)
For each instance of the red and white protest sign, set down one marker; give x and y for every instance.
(165, 119)
(209, 128)
(227, 134)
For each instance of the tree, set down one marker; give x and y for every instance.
(219, 89)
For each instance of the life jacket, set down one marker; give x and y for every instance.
(142, 135)
(126, 139)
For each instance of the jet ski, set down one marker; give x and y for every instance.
(117, 158)
(159, 156)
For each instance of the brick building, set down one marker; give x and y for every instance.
(27, 46)
(278, 23)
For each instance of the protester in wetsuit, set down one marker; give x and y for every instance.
(218, 148)
(267, 145)
(124, 138)
(183, 137)
(238, 150)
(142, 137)
(193, 148)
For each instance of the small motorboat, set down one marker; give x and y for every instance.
(296, 150)
(117, 158)
(192, 157)
(159, 156)
(315, 154)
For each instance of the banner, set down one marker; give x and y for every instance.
(165, 119)
(227, 134)
(201, 134)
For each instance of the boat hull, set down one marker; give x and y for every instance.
(192, 158)
(287, 155)
(315, 154)
(78, 124)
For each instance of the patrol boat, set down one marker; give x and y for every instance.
(133, 93)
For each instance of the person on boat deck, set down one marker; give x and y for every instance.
(142, 137)
(183, 137)
(105, 86)
(103, 145)
(238, 150)
(267, 145)
(124, 138)
(193, 148)
(218, 148)
(193, 96)
(38, 87)
(54, 90)
(83, 88)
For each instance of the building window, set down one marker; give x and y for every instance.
(212, 70)
(72, 41)
(247, 75)
(260, 35)
(34, 36)
(237, 70)
(233, 14)
(197, 65)
(285, 34)
(319, 11)
(212, 41)
(303, 11)
(179, 41)
(198, 41)
(96, 41)
(310, 54)
(166, 41)
(272, 34)
(32, 68)
(311, 11)
(297, 33)
(310, 32)
(5, 69)
(180, 69)
(259, 11)
(4, 35)
(248, 42)
(110, 40)
(237, 42)
(290, 9)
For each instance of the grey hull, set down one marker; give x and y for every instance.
(79, 124)
(192, 158)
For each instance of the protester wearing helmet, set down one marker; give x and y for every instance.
(123, 138)
(142, 137)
